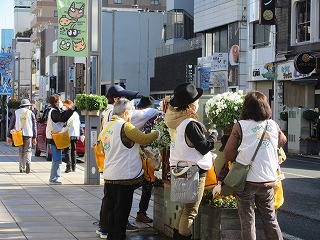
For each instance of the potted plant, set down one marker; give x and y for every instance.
(81, 103)
(94, 104)
(223, 110)
(163, 144)
(311, 116)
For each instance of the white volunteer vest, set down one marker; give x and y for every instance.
(180, 151)
(56, 127)
(121, 163)
(265, 164)
(74, 125)
(27, 130)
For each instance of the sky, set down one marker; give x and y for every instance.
(7, 17)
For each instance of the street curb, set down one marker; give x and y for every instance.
(300, 156)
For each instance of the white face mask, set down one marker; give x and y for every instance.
(64, 108)
(60, 104)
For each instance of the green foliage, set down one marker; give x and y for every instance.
(12, 104)
(104, 101)
(164, 141)
(310, 115)
(219, 201)
(94, 102)
(81, 101)
(284, 116)
(223, 110)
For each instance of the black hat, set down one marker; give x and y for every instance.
(118, 91)
(185, 94)
(146, 102)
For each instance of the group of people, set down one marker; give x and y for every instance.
(122, 135)
(61, 114)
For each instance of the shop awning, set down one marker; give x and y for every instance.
(312, 79)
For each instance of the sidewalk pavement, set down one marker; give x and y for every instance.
(32, 209)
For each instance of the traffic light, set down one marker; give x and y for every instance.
(53, 82)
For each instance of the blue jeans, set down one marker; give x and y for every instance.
(56, 163)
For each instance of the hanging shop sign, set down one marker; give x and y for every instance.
(305, 62)
(267, 12)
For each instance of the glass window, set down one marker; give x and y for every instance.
(154, 2)
(303, 21)
(216, 40)
(117, 1)
(209, 50)
(261, 35)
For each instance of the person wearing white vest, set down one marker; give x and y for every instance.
(75, 131)
(24, 119)
(259, 188)
(188, 144)
(122, 166)
(56, 121)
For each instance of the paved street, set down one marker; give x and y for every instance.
(32, 209)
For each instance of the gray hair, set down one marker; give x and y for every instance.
(123, 105)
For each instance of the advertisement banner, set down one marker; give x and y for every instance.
(267, 12)
(6, 65)
(72, 25)
(234, 50)
(205, 78)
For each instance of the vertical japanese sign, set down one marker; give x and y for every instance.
(267, 14)
(6, 65)
(234, 50)
(72, 24)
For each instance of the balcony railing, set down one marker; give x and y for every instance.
(182, 46)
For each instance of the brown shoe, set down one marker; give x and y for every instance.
(142, 217)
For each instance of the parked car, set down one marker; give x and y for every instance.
(42, 145)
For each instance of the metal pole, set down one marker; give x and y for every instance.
(93, 69)
(112, 51)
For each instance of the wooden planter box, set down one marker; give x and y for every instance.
(309, 147)
(223, 223)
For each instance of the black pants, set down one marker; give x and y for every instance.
(103, 223)
(70, 154)
(145, 196)
(118, 204)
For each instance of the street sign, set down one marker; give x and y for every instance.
(5, 89)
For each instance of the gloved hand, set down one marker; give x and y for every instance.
(216, 190)
(159, 134)
(213, 134)
(82, 138)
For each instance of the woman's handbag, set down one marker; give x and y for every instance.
(237, 176)
(61, 139)
(17, 136)
(184, 184)
(99, 154)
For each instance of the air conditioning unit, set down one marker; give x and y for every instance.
(298, 128)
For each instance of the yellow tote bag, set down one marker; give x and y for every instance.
(99, 154)
(61, 139)
(98, 150)
(17, 134)
(278, 193)
(17, 137)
